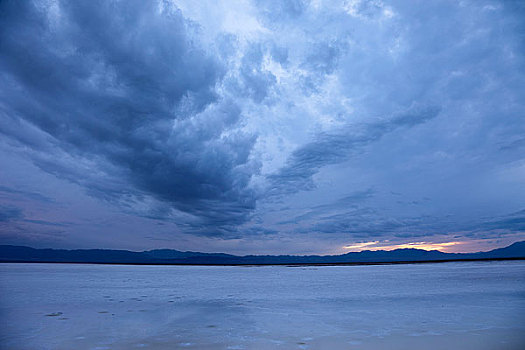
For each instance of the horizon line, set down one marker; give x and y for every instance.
(405, 247)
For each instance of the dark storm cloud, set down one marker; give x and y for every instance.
(117, 97)
(513, 222)
(10, 213)
(352, 217)
(359, 223)
(8, 192)
(311, 121)
(333, 148)
(362, 222)
(12, 216)
(347, 201)
(255, 82)
(352, 201)
(367, 222)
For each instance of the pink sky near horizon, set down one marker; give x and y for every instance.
(456, 246)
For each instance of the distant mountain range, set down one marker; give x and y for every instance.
(10, 253)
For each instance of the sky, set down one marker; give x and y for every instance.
(262, 127)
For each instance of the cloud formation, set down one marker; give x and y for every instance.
(261, 123)
(118, 97)
(333, 148)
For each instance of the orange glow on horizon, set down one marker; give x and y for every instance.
(416, 245)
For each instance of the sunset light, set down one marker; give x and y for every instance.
(375, 245)
(262, 174)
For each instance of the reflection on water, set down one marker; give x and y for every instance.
(431, 306)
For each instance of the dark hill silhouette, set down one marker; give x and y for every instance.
(10, 253)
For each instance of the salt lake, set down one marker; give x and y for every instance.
(459, 305)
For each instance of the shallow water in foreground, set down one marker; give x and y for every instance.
(462, 305)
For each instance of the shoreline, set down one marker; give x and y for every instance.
(404, 262)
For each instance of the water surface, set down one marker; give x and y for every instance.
(477, 305)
